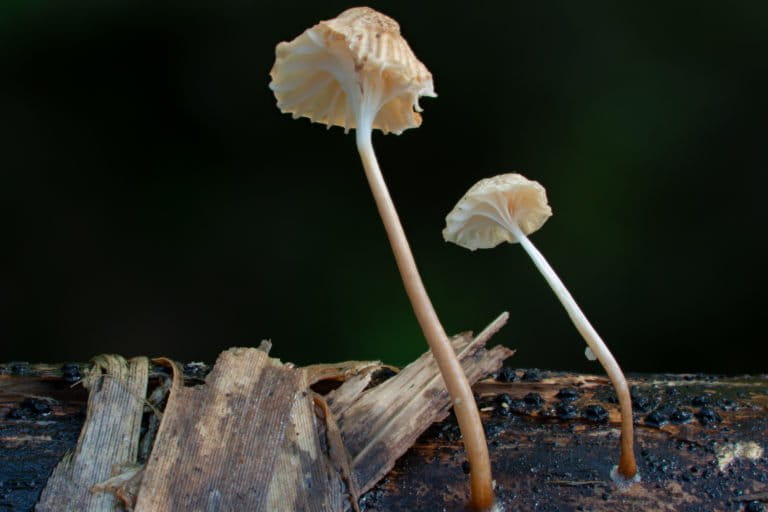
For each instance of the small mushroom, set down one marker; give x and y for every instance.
(507, 208)
(357, 71)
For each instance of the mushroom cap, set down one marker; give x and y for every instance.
(482, 218)
(314, 74)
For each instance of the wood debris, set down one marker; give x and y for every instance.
(548, 448)
(110, 436)
(254, 434)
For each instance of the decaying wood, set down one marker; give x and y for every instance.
(254, 435)
(701, 445)
(380, 424)
(218, 443)
(553, 438)
(110, 436)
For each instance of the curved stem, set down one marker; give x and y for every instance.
(455, 380)
(627, 466)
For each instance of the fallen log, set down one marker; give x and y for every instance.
(553, 438)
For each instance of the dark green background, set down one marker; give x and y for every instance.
(156, 202)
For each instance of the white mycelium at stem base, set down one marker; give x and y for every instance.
(506, 208)
(356, 71)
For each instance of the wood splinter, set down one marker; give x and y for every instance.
(255, 435)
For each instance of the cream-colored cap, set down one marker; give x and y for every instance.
(484, 217)
(315, 74)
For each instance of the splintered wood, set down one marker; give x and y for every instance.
(110, 436)
(379, 425)
(254, 435)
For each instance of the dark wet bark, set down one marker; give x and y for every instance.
(553, 439)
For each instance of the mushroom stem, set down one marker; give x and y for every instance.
(627, 467)
(455, 380)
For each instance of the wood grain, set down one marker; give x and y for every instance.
(553, 437)
(218, 443)
(110, 436)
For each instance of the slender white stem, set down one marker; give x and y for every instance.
(456, 382)
(627, 466)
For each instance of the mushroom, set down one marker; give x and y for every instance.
(357, 71)
(507, 208)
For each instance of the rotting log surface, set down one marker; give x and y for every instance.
(252, 433)
(553, 438)
(700, 442)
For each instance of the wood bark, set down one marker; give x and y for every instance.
(553, 438)
(701, 444)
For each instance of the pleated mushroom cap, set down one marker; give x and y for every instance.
(481, 219)
(321, 73)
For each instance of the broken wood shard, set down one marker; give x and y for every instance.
(304, 476)
(380, 424)
(110, 436)
(219, 443)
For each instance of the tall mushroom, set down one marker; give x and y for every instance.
(357, 71)
(507, 208)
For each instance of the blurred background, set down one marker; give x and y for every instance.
(156, 202)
